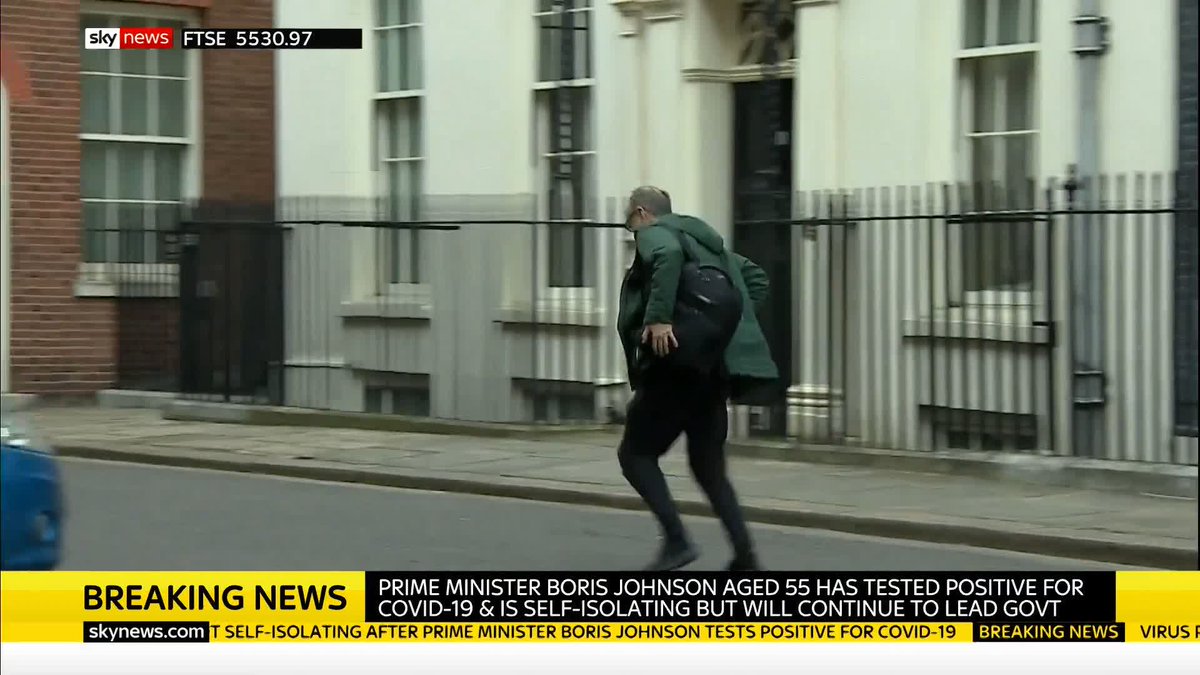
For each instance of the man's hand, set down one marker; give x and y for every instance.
(660, 337)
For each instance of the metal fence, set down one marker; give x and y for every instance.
(1046, 319)
(1052, 320)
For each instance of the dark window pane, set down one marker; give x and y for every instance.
(410, 11)
(387, 12)
(96, 117)
(566, 256)
(374, 397)
(135, 106)
(135, 61)
(171, 62)
(168, 173)
(95, 60)
(95, 222)
(172, 111)
(131, 222)
(958, 440)
(93, 173)
(1008, 31)
(410, 401)
(549, 48)
(974, 23)
(411, 42)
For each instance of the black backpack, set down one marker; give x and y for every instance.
(708, 309)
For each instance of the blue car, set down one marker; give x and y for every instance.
(31, 509)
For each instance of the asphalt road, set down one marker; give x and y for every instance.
(125, 517)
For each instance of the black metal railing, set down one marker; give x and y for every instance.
(295, 303)
(955, 317)
(933, 317)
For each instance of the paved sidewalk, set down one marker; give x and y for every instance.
(1121, 528)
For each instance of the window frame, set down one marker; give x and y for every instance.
(570, 297)
(1006, 305)
(157, 279)
(551, 83)
(392, 280)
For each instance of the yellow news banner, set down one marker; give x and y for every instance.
(50, 607)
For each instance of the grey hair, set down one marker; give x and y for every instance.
(654, 200)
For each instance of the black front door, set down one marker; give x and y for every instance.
(762, 205)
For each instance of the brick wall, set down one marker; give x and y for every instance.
(238, 122)
(239, 111)
(148, 344)
(61, 344)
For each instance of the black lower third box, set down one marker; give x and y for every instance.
(581, 597)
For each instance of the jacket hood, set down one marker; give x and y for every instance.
(697, 229)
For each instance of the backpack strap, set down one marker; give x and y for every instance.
(689, 253)
(686, 244)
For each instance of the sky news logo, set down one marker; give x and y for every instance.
(128, 38)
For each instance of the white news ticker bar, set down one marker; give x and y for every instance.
(602, 658)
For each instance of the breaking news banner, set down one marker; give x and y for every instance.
(771, 608)
(222, 38)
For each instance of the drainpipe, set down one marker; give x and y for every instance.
(1087, 242)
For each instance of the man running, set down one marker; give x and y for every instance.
(670, 400)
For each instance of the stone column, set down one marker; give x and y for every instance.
(817, 392)
(652, 138)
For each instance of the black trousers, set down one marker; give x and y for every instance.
(669, 403)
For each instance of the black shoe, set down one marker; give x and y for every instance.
(672, 557)
(744, 562)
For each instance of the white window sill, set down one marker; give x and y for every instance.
(563, 307)
(127, 280)
(988, 300)
(401, 301)
(610, 382)
(546, 85)
(991, 326)
(993, 316)
(969, 330)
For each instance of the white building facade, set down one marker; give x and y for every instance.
(449, 114)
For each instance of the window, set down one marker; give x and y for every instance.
(564, 40)
(560, 408)
(754, 28)
(983, 431)
(398, 114)
(136, 132)
(400, 136)
(411, 399)
(998, 77)
(566, 155)
(557, 401)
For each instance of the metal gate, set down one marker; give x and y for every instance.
(231, 303)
